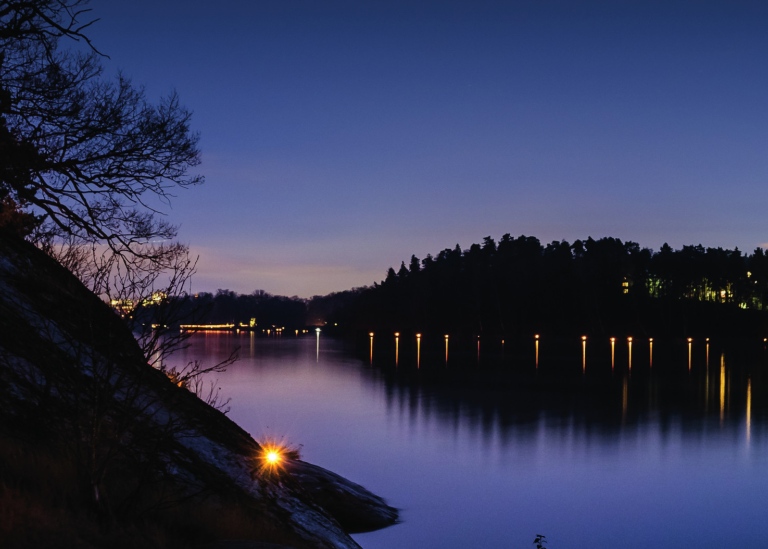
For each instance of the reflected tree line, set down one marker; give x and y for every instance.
(518, 286)
(730, 393)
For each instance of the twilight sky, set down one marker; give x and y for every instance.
(340, 137)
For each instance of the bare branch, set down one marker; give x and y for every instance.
(101, 153)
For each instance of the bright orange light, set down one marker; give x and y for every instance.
(272, 457)
(583, 338)
(629, 339)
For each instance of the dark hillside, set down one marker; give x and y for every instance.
(99, 449)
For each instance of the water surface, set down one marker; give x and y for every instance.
(640, 455)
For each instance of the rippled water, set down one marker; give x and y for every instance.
(668, 452)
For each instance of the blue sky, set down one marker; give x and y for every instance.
(340, 137)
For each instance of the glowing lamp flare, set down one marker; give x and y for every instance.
(272, 457)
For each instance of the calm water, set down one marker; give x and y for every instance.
(669, 453)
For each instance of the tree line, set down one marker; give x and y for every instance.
(519, 286)
(600, 286)
(267, 310)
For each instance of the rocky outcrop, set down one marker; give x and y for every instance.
(355, 508)
(76, 381)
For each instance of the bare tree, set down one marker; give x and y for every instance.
(90, 157)
(103, 151)
(101, 156)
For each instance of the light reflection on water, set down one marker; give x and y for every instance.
(631, 460)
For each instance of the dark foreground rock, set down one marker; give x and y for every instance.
(355, 508)
(112, 453)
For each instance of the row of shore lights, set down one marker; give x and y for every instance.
(273, 455)
(536, 338)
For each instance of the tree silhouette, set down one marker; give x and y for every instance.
(593, 286)
(90, 155)
(97, 150)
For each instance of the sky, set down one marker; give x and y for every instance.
(339, 137)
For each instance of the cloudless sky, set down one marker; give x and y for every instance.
(340, 137)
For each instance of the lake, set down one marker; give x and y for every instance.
(599, 445)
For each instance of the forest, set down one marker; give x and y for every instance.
(518, 286)
(226, 306)
(603, 286)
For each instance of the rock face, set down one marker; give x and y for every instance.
(136, 446)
